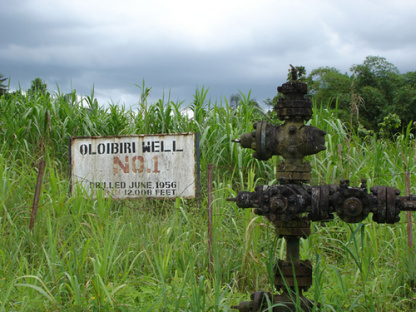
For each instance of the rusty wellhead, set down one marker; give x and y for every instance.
(291, 204)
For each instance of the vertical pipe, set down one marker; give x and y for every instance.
(292, 248)
(211, 258)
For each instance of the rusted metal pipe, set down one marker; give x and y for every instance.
(292, 249)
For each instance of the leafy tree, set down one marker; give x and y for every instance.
(378, 73)
(404, 101)
(235, 100)
(376, 81)
(375, 71)
(271, 102)
(385, 91)
(328, 85)
(254, 103)
(38, 87)
(3, 87)
(410, 79)
(390, 124)
(374, 91)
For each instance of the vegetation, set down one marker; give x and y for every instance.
(373, 93)
(3, 87)
(375, 90)
(89, 254)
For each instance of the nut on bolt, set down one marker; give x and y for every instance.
(278, 204)
(353, 206)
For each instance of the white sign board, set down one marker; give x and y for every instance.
(153, 166)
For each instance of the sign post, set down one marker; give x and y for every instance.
(127, 167)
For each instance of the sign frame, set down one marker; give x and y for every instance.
(141, 158)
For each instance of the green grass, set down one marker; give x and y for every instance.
(146, 255)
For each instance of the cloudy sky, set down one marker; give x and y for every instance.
(178, 46)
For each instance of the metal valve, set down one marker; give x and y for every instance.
(293, 140)
(292, 205)
(290, 202)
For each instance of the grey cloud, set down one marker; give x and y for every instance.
(67, 49)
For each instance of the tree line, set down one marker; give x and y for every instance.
(374, 96)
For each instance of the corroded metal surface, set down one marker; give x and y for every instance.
(291, 205)
(293, 140)
(295, 202)
(293, 273)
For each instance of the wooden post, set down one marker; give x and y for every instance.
(211, 258)
(37, 194)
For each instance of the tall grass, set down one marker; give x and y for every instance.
(99, 255)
